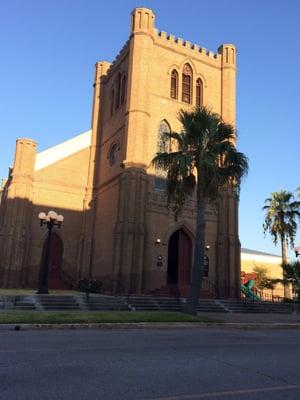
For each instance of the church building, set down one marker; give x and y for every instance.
(117, 227)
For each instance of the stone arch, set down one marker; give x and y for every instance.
(184, 225)
(203, 79)
(174, 66)
(190, 63)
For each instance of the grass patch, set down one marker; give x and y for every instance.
(61, 317)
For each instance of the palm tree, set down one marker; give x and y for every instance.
(282, 211)
(205, 160)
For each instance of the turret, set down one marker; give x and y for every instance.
(140, 59)
(24, 160)
(228, 101)
(142, 20)
(101, 68)
(15, 231)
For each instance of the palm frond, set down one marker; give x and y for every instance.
(206, 144)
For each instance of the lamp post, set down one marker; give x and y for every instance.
(297, 254)
(50, 220)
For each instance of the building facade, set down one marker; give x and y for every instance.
(117, 227)
(271, 264)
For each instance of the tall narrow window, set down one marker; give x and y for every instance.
(118, 92)
(187, 78)
(174, 84)
(112, 102)
(123, 90)
(199, 93)
(163, 145)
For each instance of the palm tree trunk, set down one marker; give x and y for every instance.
(287, 292)
(198, 264)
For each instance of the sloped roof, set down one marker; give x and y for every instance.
(260, 253)
(62, 150)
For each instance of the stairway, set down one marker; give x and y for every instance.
(24, 303)
(211, 305)
(59, 303)
(208, 290)
(106, 303)
(151, 303)
(244, 306)
(99, 302)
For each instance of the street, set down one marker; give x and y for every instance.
(172, 364)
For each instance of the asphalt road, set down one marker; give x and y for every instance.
(150, 364)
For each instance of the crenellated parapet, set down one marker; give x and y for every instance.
(143, 22)
(123, 53)
(187, 48)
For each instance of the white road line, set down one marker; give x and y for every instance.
(228, 393)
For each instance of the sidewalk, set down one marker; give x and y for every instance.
(270, 318)
(226, 321)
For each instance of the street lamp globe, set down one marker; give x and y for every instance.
(42, 215)
(60, 218)
(52, 215)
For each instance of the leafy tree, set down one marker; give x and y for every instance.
(262, 276)
(205, 160)
(269, 284)
(263, 279)
(282, 212)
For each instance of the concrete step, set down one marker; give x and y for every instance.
(240, 306)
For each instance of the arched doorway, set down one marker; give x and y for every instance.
(179, 259)
(55, 262)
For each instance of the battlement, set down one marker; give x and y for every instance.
(189, 49)
(122, 53)
(143, 22)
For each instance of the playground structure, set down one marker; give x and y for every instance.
(248, 290)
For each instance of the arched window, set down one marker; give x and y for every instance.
(199, 93)
(112, 155)
(118, 92)
(187, 79)
(112, 102)
(123, 89)
(163, 145)
(174, 84)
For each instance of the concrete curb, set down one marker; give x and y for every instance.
(150, 325)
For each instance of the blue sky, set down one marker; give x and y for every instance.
(48, 52)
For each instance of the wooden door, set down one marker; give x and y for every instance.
(184, 259)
